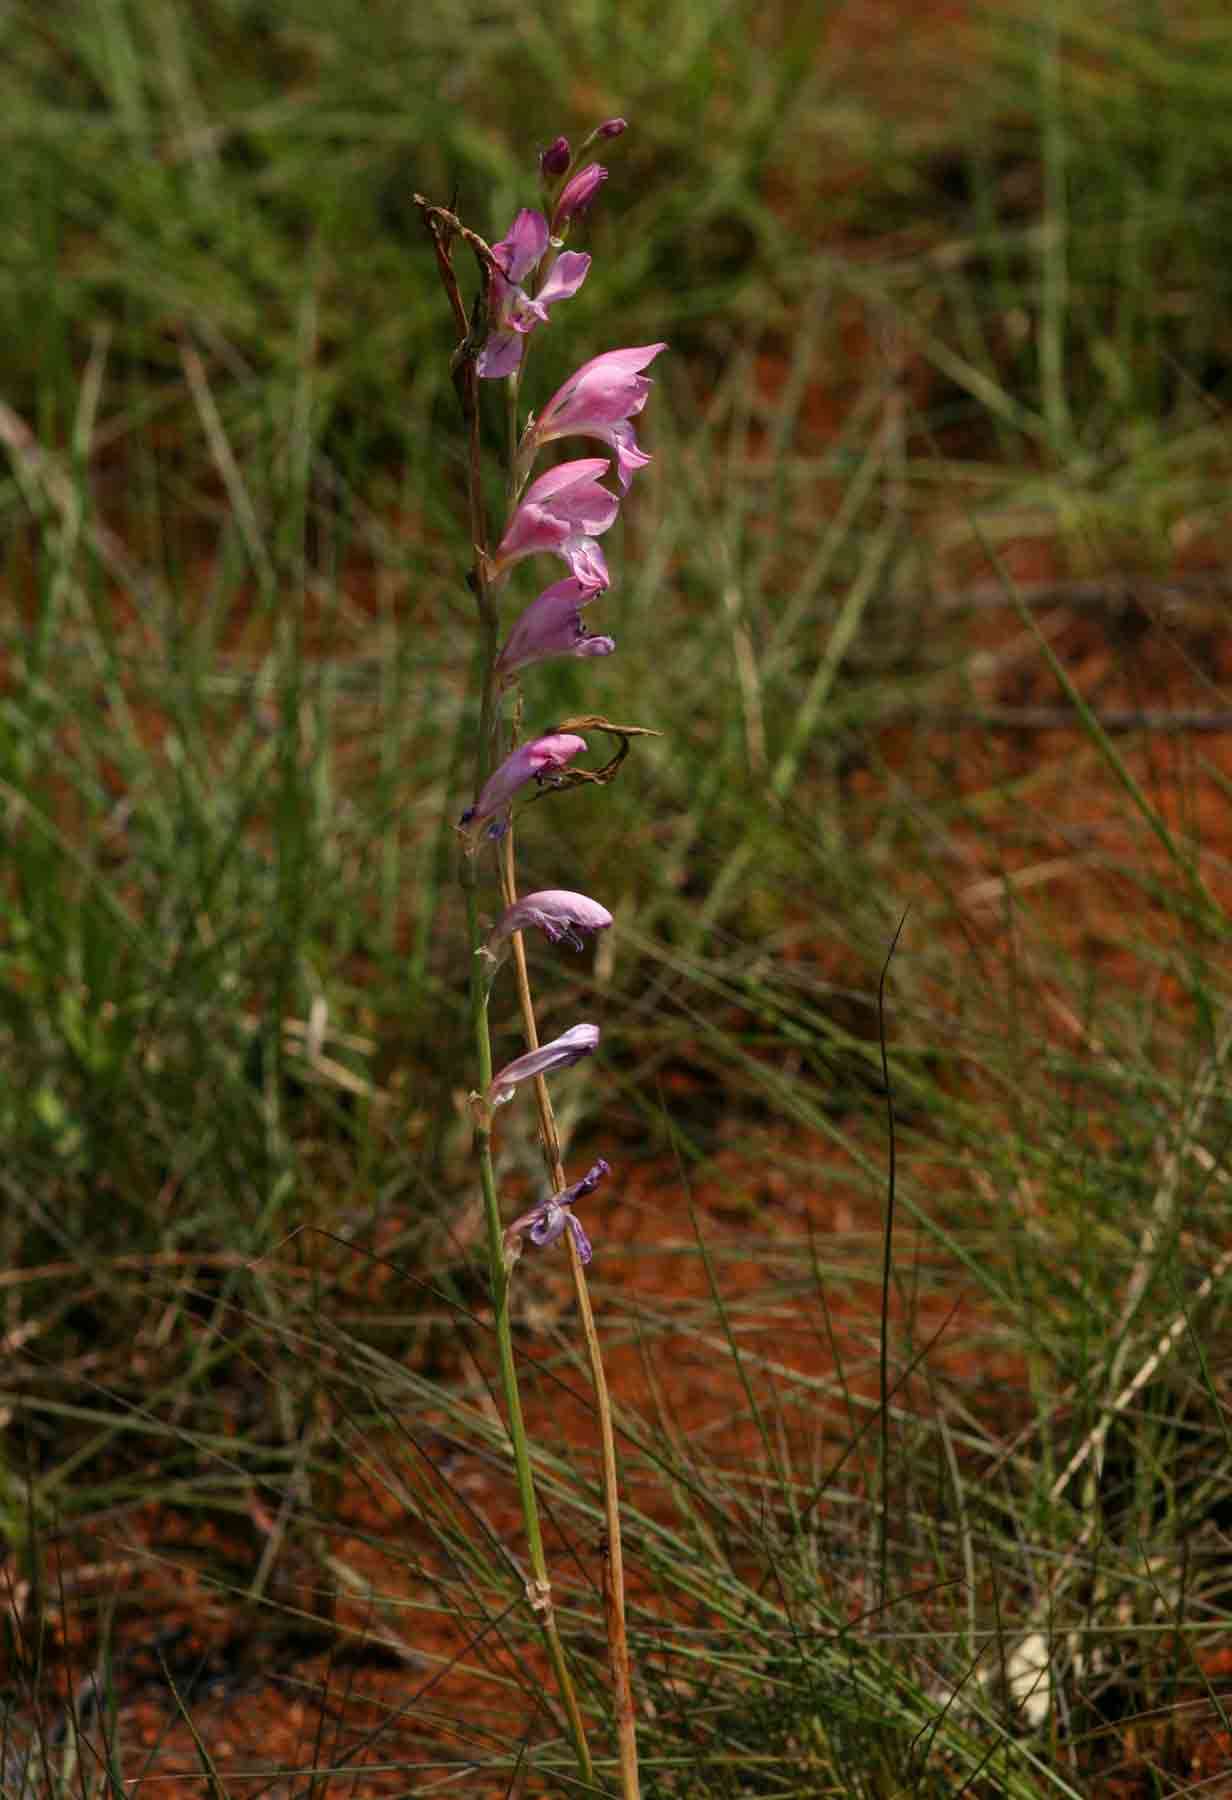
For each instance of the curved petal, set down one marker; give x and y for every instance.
(531, 761)
(569, 1048)
(562, 916)
(599, 400)
(564, 476)
(500, 355)
(523, 245)
(568, 273)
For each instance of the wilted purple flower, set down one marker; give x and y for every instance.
(577, 194)
(537, 760)
(552, 626)
(569, 1048)
(544, 1223)
(518, 253)
(563, 513)
(598, 401)
(555, 159)
(561, 916)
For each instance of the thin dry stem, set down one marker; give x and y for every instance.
(613, 1552)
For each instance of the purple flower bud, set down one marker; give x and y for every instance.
(561, 916)
(537, 760)
(611, 128)
(555, 159)
(552, 626)
(551, 1218)
(577, 194)
(569, 1048)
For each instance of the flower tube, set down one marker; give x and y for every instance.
(561, 1053)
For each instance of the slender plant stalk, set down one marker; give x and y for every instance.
(613, 1560)
(613, 1571)
(570, 510)
(442, 228)
(539, 1588)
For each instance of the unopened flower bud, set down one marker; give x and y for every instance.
(555, 159)
(611, 128)
(577, 194)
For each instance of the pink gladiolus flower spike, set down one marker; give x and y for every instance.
(537, 760)
(518, 254)
(561, 916)
(544, 1223)
(552, 626)
(599, 401)
(562, 513)
(561, 1053)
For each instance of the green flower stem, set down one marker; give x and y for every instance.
(443, 227)
(613, 1568)
(539, 1590)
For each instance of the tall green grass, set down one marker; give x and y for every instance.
(232, 736)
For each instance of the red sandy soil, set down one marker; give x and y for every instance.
(374, 1706)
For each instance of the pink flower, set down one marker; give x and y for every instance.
(561, 916)
(552, 1218)
(569, 1048)
(599, 401)
(611, 128)
(552, 626)
(563, 513)
(520, 252)
(537, 760)
(577, 194)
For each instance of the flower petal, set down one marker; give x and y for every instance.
(570, 1047)
(500, 355)
(552, 626)
(522, 246)
(599, 400)
(562, 513)
(558, 913)
(565, 477)
(532, 761)
(568, 273)
(547, 1221)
